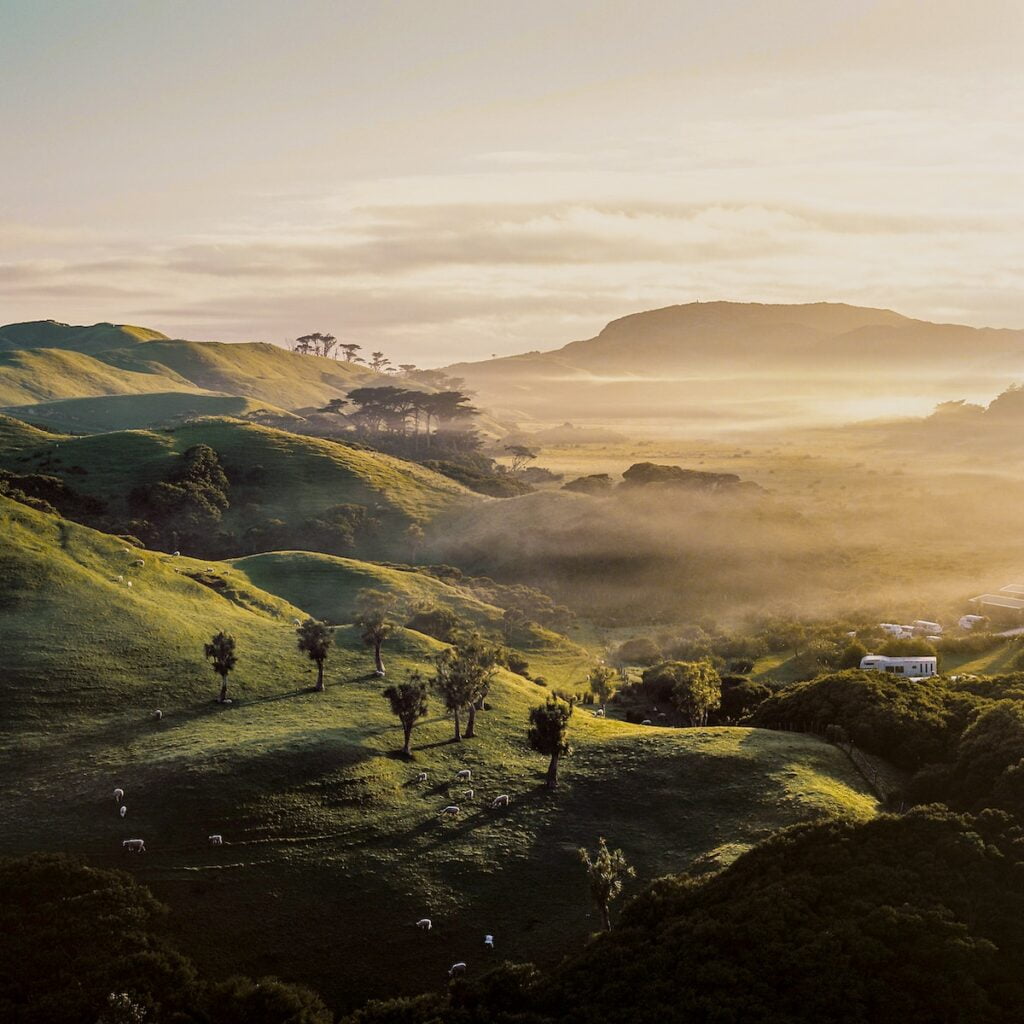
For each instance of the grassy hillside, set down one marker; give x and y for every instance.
(300, 476)
(327, 586)
(262, 372)
(105, 413)
(331, 852)
(50, 334)
(43, 375)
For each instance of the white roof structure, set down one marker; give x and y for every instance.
(1000, 601)
(1013, 588)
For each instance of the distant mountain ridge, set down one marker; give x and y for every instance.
(688, 354)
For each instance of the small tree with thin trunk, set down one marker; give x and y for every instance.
(315, 639)
(409, 704)
(698, 690)
(602, 679)
(372, 610)
(462, 678)
(221, 651)
(606, 873)
(549, 727)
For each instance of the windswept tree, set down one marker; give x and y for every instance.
(697, 690)
(605, 873)
(350, 351)
(462, 678)
(378, 361)
(221, 652)
(512, 619)
(520, 455)
(414, 537)
(335, 405)
(602, 682)
(548, 734)
(408, 703)
(373, 607)
(315, 639)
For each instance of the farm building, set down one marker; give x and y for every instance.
(915, 667)
(1005, 606)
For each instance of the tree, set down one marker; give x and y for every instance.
(511, 620)
(221, 651)
(378, 361)
(549, 727)
(852, 655)
(372, 610)
(521, 455)
(315, 639)
(697, 691)
(601, 679)
(606, 872)
(409, 704)
(350, 351)
(414, 536)
(463, 676)
(335, 405)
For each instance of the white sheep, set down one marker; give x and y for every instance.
(120, 579)
(138, 563)
(489, 941)
(646, 721)
(129, 584)
(134, 846)
(124, 810)
(500, 801)
(424, 924)
(118, 795)
(216, 840)
(175, 554)
(459, 968)
(467, 794)
(599, 713)
(464, 776)
(126, 551)
(295, 622)
(158, 714)
(451, 810)
(422, 777)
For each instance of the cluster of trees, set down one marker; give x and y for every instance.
(405, 412)
(81, 945)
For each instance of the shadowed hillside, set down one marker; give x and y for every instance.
(327, 844)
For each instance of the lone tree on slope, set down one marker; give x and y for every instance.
(408, 704)
(697, 691)
(602, 679)
(606, 873)
(372, 610)
(221, 651)
(549, 728)
(315, 639)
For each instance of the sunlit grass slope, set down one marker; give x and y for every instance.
(97, 338)
(28, 376)
(327, 587)
(106, 413)
(331, 851)
(259, 371)
(301, 475)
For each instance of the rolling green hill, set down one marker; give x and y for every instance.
(105, 413)
(50, 334)
(330, 850)
(43, 375)
(298, 476)
(326, 586)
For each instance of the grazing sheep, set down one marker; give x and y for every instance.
(422, 777)
(124, 810)
(295, 622)
(120, 579)
(424, 924)
(646, 721)
(175, 554)
(126, 551)
(467, 794)
(138, 563)
(451, 810)
(158, 714)
(118, 795)
(464, 776)
(134, 846)
(489, 941)
(129, 584)
(459, 968)
(662, 714)
(500, 801)
(216, 840)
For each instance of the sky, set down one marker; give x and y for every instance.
(451, 179)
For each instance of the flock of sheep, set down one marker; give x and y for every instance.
(139, 845)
